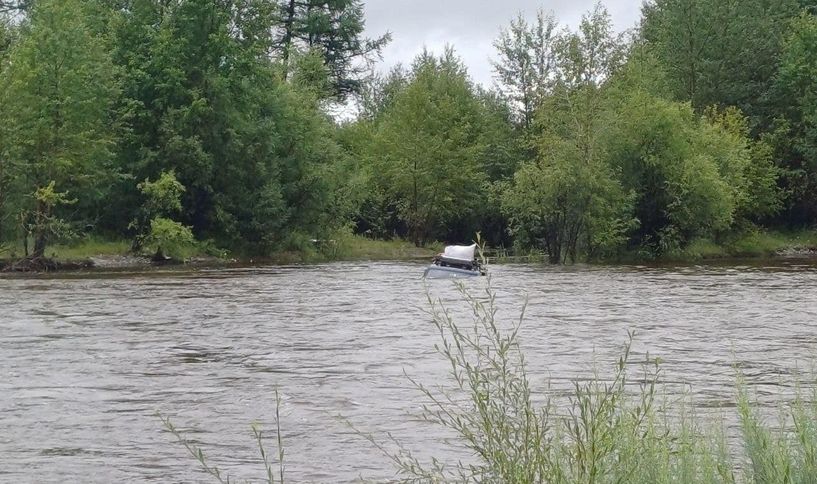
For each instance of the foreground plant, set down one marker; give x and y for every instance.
(214, 471)
(608, 430)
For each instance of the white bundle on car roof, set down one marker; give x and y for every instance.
(460, 252)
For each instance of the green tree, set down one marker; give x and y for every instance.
(202, 98)
(525, 66)
(428, 149)
(58, 88)
(569, 198)
(796, 136)
(379, 91)
(505, 147)
(722, 53)
(746, 164)
(687, 175)
(565, 202)
(6, 38)
(162, 200)
(334, 30)
(691, 175)
(155, 229)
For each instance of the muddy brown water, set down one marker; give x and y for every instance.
(86, 360)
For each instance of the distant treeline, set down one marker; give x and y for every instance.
(170, 122)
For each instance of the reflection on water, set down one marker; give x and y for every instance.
(87, 360)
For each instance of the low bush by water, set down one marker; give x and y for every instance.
(621, 426)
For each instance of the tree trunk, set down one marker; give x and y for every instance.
(289, 34)
(2, 203)
(553, 246)
(555, 257)
(40, 231)
(40, 241)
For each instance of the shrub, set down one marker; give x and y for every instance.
(169, 239)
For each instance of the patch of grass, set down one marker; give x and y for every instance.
(750, 244)
(89, 247)
(505, 256)
(343, 246)
(95, 246)
(82, 248)
(703, 249)
(356, 247)
(763, 244)
(757, 244)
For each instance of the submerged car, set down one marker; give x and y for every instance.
(456, 261)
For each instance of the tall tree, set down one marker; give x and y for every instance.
(526, 62)
(58, 89)
(429, 146)
(379, 92)
(796, 137)
(721, 52)
(333, 29)
(202, 99)
(6, 38)
(568, 198)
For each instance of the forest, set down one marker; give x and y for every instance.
(213, 123)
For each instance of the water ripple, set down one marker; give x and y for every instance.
(85, 361)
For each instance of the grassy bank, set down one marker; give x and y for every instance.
(90, 247)
(347, 247)
(344, 247)
(755, 244)
(94, 252)
(750, 245)
(361, 248)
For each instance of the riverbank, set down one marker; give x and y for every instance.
(752, 245)
(801, 243)
(99, 254)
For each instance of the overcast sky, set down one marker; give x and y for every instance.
(470, 25)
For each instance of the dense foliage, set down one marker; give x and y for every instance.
(700, 124)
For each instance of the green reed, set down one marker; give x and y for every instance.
(612, 429)
(204, 463)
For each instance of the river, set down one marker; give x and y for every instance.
(86, 360)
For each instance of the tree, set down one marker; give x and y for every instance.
(722, 53)
(687, 174)
(379, 91)
(255, 154)
(568, 197)
(155, 229)
(333, 29)
(796, 137)
(525, 66)
(565, 202)
(428, 148)
(58, 88)
(6, 38)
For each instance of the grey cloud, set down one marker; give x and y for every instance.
(470, 26)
